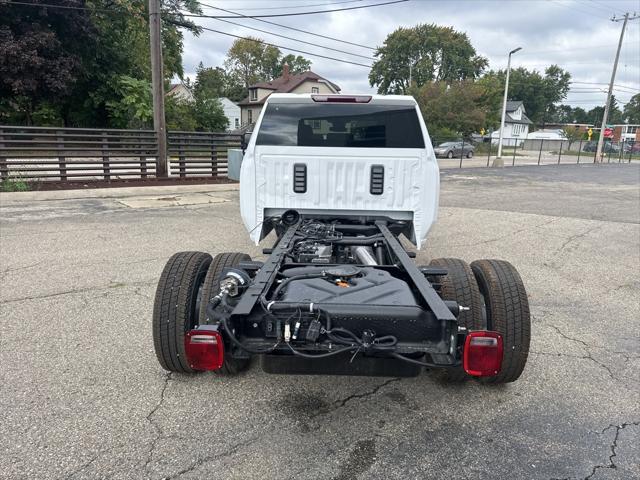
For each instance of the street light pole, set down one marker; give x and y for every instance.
(504, 102)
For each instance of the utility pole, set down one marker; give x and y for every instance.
(605, 117)
(157, 84)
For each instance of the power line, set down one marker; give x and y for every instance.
(558, 3)
(527, 64)
(288, 27)
(285, 48)
(604, 83)
(615, 10)
(294, 39)
(591, 47)
(299, 6)
(65, 7)
(596, 7)
(582, 92)
(295, 14)
(594, 100)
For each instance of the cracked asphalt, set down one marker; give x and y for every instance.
(82, 395)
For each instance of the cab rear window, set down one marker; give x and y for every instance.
(340, 125)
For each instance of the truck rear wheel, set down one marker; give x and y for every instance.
(231, 366)
(175, 310)
(507, 312)
(460, 285)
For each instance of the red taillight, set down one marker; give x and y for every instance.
(482, 356)
(204, 347)
(342, 98)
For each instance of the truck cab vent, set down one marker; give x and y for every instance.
(377, 180)
(299, 178)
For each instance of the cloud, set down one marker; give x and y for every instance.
(576, 35)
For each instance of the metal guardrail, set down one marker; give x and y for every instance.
(65, 154)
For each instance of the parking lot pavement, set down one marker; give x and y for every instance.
(82, 395)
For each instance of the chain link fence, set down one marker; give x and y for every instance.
(481, 152)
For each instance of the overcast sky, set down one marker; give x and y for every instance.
(577, 35)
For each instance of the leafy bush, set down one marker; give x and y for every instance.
(134, 108)
(14, 186)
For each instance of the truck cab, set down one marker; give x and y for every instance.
(364, 156)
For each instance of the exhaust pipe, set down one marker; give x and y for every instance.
(365, 255)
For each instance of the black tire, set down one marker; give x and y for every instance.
(507, 312)
(449, 154)
(470, 154)
(231, 366)
(175, 310)
(460, 285)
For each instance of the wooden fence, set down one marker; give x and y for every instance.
(200, 153)
(66, 154)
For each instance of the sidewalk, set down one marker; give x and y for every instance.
(41, 196)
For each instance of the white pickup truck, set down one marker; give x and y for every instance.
(339, 178)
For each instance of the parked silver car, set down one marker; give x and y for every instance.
(454, 149)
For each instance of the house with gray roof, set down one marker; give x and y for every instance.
(516, 125)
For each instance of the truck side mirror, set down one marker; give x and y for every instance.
(244, 141)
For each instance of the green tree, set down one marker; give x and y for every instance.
(205, 113)
(179, 115)
(596, 114)
(561, 114)
(451, 108)
(66, 65)
(615, 114)
(41, 58)
(297, 64)
(251, 61)
(539, 93)
(426, 53)
(631, 112)
(209, 115)
(572, 134)
(210, 82)
(579, 115)
(215, 82)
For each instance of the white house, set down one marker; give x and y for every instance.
(516, 125)
(232, 112)
(305, 82)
